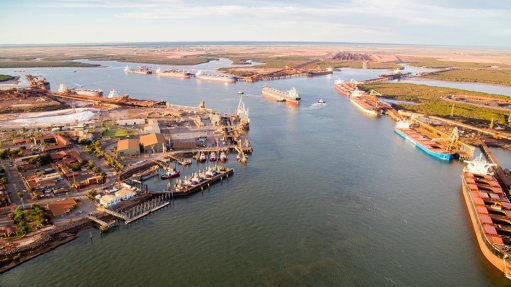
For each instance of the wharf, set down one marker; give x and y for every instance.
(452, 142)
(206, 183)
(103, 226)
(503, 176)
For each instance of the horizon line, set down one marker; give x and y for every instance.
(235, 43)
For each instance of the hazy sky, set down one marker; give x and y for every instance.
(458, 22)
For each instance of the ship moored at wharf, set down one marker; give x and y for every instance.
(142, 70)
(490, 213)
(214, 77)
(345, 88)
(173, 74)
(367, 103)
(406, 130)
(281, 96)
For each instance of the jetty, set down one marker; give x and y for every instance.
(191, 189)
(103, 225)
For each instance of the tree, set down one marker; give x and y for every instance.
(4, 153)
(40, 160)
(91, 194)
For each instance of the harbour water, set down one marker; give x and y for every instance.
(329, 198)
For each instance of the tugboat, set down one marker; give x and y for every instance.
(212, 156)
(281, 100)
(202, 157)
(223, 157)
(171, 174)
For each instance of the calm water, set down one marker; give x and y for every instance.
(329, 198)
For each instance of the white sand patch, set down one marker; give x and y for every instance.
(60, 117)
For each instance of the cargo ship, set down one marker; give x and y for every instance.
(319, 73)
(173, 74)
(142, 70)
(366, 103)
(217, 78)
(281, 96)
(490, 213)
(424, 143)
(345, 88)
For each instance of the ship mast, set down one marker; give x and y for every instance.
(241, 110)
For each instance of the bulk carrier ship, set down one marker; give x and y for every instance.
(217, 78)
(366, 103)
(142, 70)
(281, 96)
(424, 143)
(173, 74)
(490, 213)
(345, 88)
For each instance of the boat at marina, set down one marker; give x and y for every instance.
(202, 157)
(242, 114)
(281, 96)
(489, 209)
(223, 157)
(212, 156)
(406, 130)
(215, 77)
(141, 70)
(173, 74)
(171, 174)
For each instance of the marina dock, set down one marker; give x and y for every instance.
(203, 185)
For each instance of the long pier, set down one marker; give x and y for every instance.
(140, 210)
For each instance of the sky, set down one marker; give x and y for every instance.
(433, 22)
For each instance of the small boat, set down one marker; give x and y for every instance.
(211, 173)
(238, 157)
(321, 101)
(212, 156)
(223, 157)
(240, 92)
(202, 157)
(171, 174)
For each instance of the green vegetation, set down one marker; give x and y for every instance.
(117, 133)
(36, 215)
(488, 76)
(42, 64)
(4, 78)
(157, 59)
(40, 160)
(96, 149)
(20, 219)
(430, 102)
(91, 194)
(439, 64)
